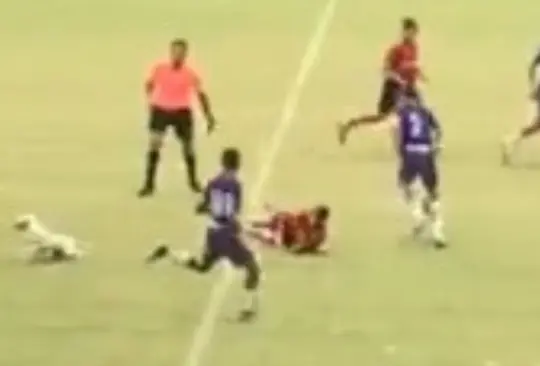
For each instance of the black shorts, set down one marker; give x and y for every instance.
(388, 98)
(181, 120)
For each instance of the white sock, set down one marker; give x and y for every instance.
(415, 207)
(437, 222)
(180, 257)
(417, 213)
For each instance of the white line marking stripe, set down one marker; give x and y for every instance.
(205, 329)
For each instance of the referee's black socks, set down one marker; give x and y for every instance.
(191, 166)
(152, 162)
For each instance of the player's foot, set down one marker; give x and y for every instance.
(247, 315)
(195, 186)
(145, 192)
(159, 253)
(342, 133)
(440, 244)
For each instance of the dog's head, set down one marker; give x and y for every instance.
(23, 222)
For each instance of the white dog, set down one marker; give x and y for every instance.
(48, 246)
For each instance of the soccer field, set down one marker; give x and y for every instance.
(72, 143)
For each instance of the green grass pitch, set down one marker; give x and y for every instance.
(71, 147)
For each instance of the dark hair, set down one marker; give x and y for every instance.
(179, 42)
(230, 158)
(322, 212)
(409, 23)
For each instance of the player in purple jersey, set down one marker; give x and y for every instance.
(417, 140)
(222, 203)
(533, 128)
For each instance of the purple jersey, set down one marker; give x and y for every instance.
(417, 128)
(416, 125)
(223, 198)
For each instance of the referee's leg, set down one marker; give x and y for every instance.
(157, 127)
(183, 128)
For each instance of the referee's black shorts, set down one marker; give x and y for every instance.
(181, 120)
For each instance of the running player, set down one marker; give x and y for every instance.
(513, 141)
(222, 203)
(401, 69)
(417, 140)
(301, 232)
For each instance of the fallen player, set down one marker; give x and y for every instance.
(48, 247)
(302, 232)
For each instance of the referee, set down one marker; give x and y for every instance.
(170, 89)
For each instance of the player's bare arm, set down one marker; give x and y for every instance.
(206, 107)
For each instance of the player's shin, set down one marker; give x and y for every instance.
(251, 285)
(437, 222)
(415, 208)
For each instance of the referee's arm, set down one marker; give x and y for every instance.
(206, 106)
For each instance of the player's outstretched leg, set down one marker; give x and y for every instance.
(190, 160)
(512, 142)
(152, 162)
(432, 206)
(251, 286)
(418, 216)
(344, 128)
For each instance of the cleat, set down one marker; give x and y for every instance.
(159, 253)
(440, 244)
(247, 315)
(145, 192)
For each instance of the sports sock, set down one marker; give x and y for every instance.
(191, 166)
(437, 222)
(415, 207)
(152, 162)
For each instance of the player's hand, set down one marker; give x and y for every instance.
(211, 123)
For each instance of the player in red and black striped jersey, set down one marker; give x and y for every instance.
(401, 70)
(298, 232)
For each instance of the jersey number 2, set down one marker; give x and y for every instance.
(416, 125)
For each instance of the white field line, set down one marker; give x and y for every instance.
(202, 335)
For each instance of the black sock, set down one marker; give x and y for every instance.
(191, 166)
(152, 161)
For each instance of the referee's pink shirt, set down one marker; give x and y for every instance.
(173, 88)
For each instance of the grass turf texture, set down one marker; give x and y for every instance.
(71, 148)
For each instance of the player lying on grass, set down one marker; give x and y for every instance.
(48, 247)
(302, 232)
(532, 129)
(222, 204)
(417, 137)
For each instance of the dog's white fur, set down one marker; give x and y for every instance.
(37, 234)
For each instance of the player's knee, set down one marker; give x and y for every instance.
(253, 276)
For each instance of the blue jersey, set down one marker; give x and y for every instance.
(416, 127)
(223, 199)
